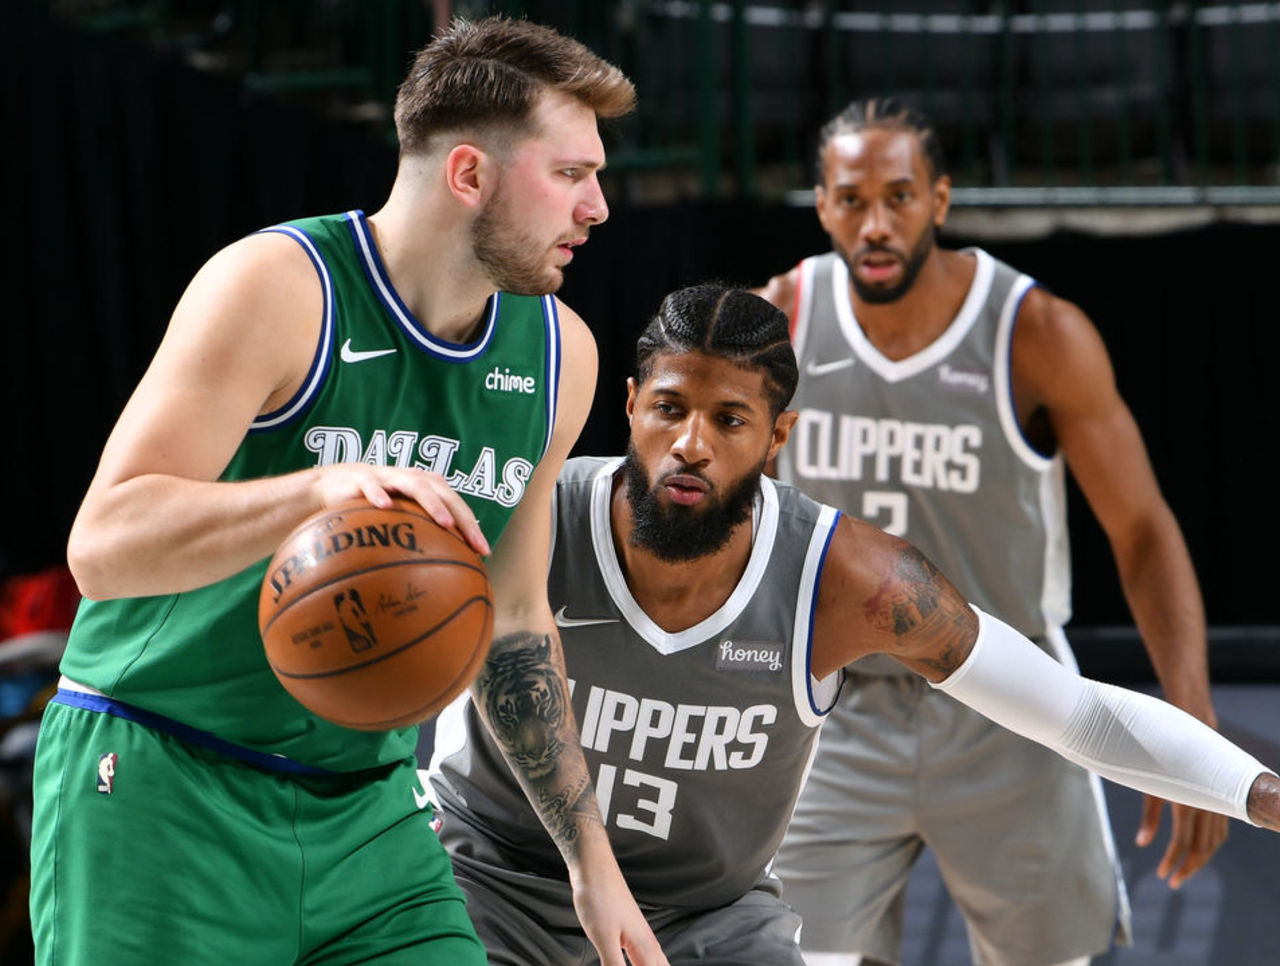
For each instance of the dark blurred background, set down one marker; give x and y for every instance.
(1126, 153)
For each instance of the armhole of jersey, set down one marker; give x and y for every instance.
(324, 350)
(813, 699)
(551, 378)
(1003, 372)
(803, 304)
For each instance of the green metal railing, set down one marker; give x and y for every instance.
(1040, 101)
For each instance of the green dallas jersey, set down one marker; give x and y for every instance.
(380, 391)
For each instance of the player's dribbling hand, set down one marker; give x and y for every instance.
(1196, 835)
(377, 484)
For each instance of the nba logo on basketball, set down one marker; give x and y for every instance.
(106, 772)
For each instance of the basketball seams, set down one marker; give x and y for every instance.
(372, 568)
(349, 668)
(463, 678)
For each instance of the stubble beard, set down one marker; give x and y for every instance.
(910, 269)
(515, 261)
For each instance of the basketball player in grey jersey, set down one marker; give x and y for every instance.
(942, 396)
(706, 614)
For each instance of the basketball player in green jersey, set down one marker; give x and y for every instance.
(187, 810)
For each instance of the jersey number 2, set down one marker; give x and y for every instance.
(882, 503)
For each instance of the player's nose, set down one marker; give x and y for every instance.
(692, 444)
(592, 209)
(875, 223)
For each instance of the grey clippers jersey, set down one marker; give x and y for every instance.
(697, 741)
(929, 448)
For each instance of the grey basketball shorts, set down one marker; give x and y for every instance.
(1021, 836)
(525, 919)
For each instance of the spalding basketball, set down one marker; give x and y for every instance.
(375, 619)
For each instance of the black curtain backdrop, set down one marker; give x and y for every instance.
(125, 171)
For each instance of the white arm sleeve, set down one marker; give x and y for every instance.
(1127, 737)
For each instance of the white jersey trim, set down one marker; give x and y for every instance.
(615, 582)
(812, 698)
(320, 364)
(896, 370)
(551, 319)
(450, 739)
(1055, 588)
(412, 327)
(1003, 378)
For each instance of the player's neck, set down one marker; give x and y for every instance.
(432, 268)
(902, 328)
(678, 595)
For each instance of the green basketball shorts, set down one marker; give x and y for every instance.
(147, 849)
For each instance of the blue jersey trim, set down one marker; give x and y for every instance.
(813, 616)
(551, 316)
(380, 282)
(324, 352)
(102, 704)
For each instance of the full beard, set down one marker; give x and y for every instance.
(679, 534)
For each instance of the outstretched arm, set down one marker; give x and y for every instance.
(1062, 372)
(522, 692)
(1123, 735)
(880, 594)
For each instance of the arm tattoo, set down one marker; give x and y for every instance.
(923, 612)
(522, 695)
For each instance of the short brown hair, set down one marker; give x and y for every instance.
(489, 73)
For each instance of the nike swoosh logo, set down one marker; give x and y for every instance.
(822, 368)
(357, 355)
(562, 621)
(422, 798)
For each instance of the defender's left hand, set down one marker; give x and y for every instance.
(1196, 836)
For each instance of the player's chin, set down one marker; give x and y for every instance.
(551, 281)
(548, 284)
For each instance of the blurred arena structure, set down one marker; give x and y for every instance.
(1062, 104)
(1126, 153)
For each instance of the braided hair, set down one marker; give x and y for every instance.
(888, 113)
(729, 323)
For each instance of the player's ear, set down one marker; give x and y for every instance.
(782, 427)
(467, 173)
(633, 387)
(941, 199)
